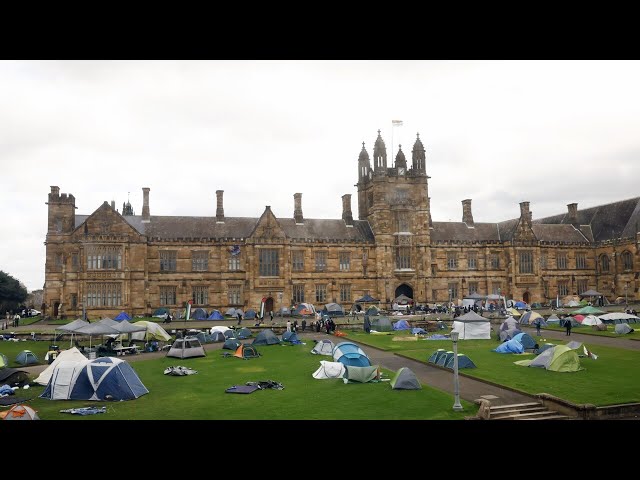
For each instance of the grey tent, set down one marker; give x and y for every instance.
(290, 337)
(13, 377)
(218, 337)
(405, 379)
(27, 357)
(187, 347)
(381, 324)
(623, 328)
(323, 347)
(243, 333)
(231, 344)
(230, 334)
(463, 362)
(361, 374)
(266, 337)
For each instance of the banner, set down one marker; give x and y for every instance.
(188, 310)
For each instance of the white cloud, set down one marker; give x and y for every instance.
(499, 132)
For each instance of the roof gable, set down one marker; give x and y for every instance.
(105, 221)
(268, 227)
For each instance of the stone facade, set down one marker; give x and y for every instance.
(106, 262)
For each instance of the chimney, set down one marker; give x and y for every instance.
(347, 216)
(297, 209)
(219, 207)
(525, 214)
(146, 216)
(572, 213)
(467, 216)
(113, 204)
(55, 190)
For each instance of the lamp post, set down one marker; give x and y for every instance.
(457, 406)
(499, 298)
(626, 286)
(449, 305)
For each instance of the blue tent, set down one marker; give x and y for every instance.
(290, 337)
(525, 340)
(350, 354)
(122, 316)
(417, 331)
(100, 379)
(215, 315)
(266, 337)
(444, 358)
(463, 362)
(520, 305)
(401, 325)
(436, 355)
(198, 314)
(231, 344)
(333, 310)
(250, 314)
(243, 333)
(512, 346)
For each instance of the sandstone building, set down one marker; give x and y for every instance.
(109, 261)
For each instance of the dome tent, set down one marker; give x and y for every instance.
(405, 379)
(350, 354)
(323, 347)
(27, 357)
(187, 347)
(266, 337)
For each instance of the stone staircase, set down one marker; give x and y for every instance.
(525, 411)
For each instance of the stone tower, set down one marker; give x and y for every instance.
(62, 212)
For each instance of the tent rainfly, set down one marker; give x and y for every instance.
(405, 379)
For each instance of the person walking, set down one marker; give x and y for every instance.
(567, 325)
(271, 315)
(288, 325)
(538, 324)
(239, 318)
(304, 324)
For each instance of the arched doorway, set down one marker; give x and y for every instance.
(268, 306)
(526, 297)
(404, 289)
(55, 308)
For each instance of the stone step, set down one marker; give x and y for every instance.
(495, 408)
(517, 411)
(532, 415)
(550, 417)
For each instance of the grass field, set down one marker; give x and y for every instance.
(613, 378)
(610, 332)
(202, 396)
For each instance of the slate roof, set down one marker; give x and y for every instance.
(558, 233)
(459, 232)
(176, 227)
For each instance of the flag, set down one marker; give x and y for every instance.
(188, 309)
(234, 250)
(396, 123)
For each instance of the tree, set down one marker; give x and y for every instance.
(12, 293)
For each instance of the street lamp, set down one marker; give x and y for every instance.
(449, 306)
(626, 286)
(457, 406)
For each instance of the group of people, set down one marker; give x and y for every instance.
(325, 323)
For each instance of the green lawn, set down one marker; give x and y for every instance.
(30, 320)
(11, 350)
(203, 396)
(610, 332)
(613, 378)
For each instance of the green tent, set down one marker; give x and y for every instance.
(405, 379)
(588, 310)
(560, 358)
(361, 374)
(4, 362)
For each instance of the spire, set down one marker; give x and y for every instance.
(401, 161)
(127, 209)
(379, 155)
(418, 156)
(364, 165)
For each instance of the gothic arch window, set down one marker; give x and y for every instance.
(627, 260)
(402, 222)
(604, 263)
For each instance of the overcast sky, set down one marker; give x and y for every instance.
(498, 132)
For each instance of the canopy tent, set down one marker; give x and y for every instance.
(187, 347)
(71, 327)
(589, 310)
(623, 329)
(590, 293)
(618, 317)
(350, 354)
(72, 355)
(122, 316)
(365, 374)
(105, 378)
(98, 328)
(153, 332)
(333, 310)
(366, 299)
(215, 315)
(329, 370)
(401, 325)
(266, 337)
(471, 326)
(405, 379)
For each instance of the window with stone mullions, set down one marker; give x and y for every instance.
(472, 260)
(473, 287)
(297, 260)
(345, 261)
(321, 261)
(581, 261)
(494, 261)
(234, 263)
(104, 295)
(582, 286)
(200, 295)
(167, 295)
(298, 293)
(604, 264)
(526, 262)
(563, 288)
(104, 257)
(403, 257)
(199, 260)
(561, 260)
(235, 294)
(627, 260)
(452, 260)
(269, 263)
(321, 293)
(168, 260)
(345, 293)
(402, 222)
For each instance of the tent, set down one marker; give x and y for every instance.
(323, 347)
(525, 340)
(231, 312)
(14, 377)
(553, 319)
(160, 312)
(333, 310)
(436, 355)
(364, 300)
(402, 299)
(591, 293)
(560, 358)
(105, 378)
(350, 354)
(512, 346)
(186, 347)
(231, 344)
(472, 326)
(520, 305)
(623, 329)
(153, 332)
(401, 325)
(444, 358)
(27, 357)
(243, 333)
(4, 361)
(405, 379)
(266, 337)
(618, 317)
(122, 316)
(513, 312)
(290, 337)
(215, 315)
(203, 337)
(591, 320)
(20, 412)
(230, 334)
(304, 309)
(589, 310)
(70, 328)
(366, 374)
(218, 337)
(220, 328)
(72, 355)
(463, 362)
(528, 318)
(283, 312)
(198, 314)
(372, 311)
(249, 314)
(381, 324)
(246, 351)
(329, 370)
(508, 329)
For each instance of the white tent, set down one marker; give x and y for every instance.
(329, 370)
(472, 326)
(153, 332)
(186, 348)
(591, 320)
(73, 355)
(219, 328)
